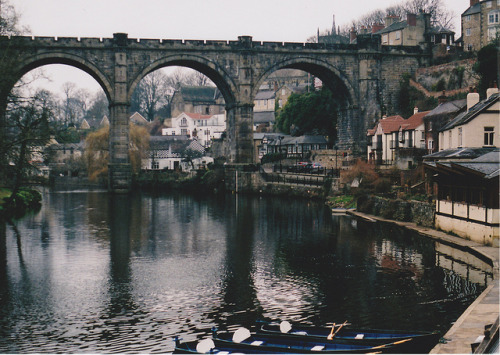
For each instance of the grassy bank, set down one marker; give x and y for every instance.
(24, 201)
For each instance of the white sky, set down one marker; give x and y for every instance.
(265, 20)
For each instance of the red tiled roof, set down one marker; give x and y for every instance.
(197, 116)
(414, 121)
(391, 124)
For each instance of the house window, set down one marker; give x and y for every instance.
(184, 132)
(459, 136)
(469, 47)
(430, 145)
(155, 165)
(398, 35)
(385, 39)
(449, 139)
(184, 121)
(492, 32)
(467, 18)
(493, 17)
(488, 4)
(489, 134)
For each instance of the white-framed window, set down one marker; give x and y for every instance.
(493, 32)
(488, 4)
(468, 18)
(459, 136)
(184, 132)
(430, 144)
(493, 17)
(469, 47)
(489, 135)
(467, 32)
(398, 35)
(184, 121)
(385, 39)
(155, 165)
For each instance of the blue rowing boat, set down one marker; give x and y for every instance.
(248, 342)
(412, 341)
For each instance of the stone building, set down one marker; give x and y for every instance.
(410, 32)
(480, 24)
(206, 100)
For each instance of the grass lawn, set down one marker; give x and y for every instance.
(342, 201)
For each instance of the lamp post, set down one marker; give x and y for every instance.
(281, 168)
(336, 156)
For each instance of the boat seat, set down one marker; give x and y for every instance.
(317, 348)
(257, 343)
(299, 333)
(359, 336)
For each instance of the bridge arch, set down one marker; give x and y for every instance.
(42, 59)
(328, 73)
(220, 78)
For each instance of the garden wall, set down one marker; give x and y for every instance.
(421, 213)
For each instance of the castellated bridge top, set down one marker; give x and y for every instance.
(364, 76)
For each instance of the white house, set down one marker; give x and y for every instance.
(201, 127)
(477, 127)
(168, 153)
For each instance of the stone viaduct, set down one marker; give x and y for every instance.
(366, 75)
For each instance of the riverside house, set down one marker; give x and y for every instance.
(465, 176)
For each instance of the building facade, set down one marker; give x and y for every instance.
(203, 128)
(480, 24)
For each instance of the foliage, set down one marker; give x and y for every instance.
(382, 185)
(342, 201)
(24, 200)
(309, 112)
(97, 151)
(487, 66)
(409, 97)
(190, 154)
(272, 157)
(362, 171)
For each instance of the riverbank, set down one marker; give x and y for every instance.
(483, 311)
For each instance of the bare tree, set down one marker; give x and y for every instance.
(151, 93)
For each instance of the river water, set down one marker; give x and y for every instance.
(95, 273)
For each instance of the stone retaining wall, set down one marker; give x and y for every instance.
(421, 213)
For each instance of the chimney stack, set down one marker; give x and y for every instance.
(352, 35)
(415, 110)
(472, 99)
(442, 98)
(411, 19)
(473, 2)
(491, 91)
(377, 27)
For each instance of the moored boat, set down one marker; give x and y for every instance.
(413, 341)
(276, 343)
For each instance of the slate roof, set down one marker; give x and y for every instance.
(399, 25)
(172, 146)
(486, 165)
(263, 117)
(446, 108)
(459, 153)
(474, 111)
(265, 95)
(304, 140)
(199, 93)
(474, 9)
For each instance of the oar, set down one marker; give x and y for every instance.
(332, 334)
(390, 344)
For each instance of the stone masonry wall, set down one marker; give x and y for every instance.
(418, 212)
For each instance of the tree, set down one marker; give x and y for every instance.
(487, 66)
(27, 134)
(310, 112)
(96, 153)
(151, 94)
(190, 154)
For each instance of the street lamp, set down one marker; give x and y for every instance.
(336, 156)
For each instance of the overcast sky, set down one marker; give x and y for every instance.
(265, 20)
